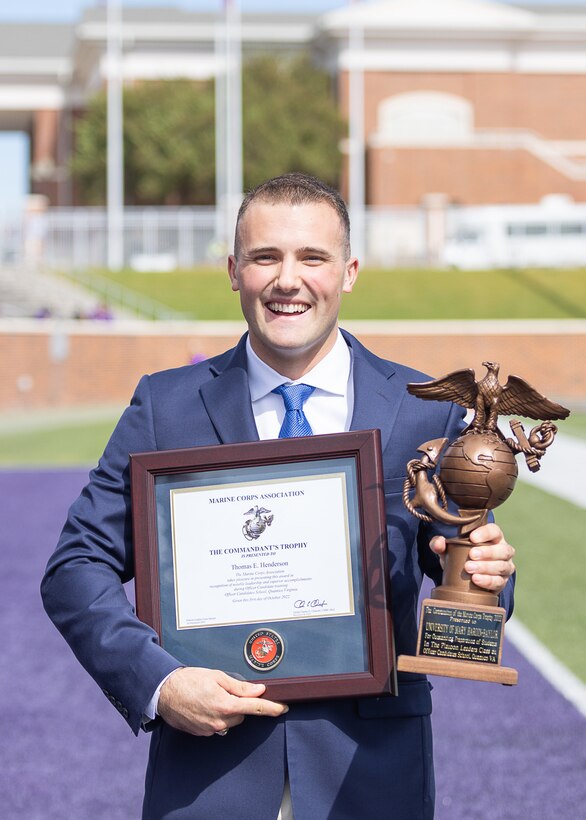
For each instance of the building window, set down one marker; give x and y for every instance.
(425, 118)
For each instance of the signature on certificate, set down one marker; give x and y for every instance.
(315, 603)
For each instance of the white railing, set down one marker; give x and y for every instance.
(551, 234)
(168, 238)
(153, 238)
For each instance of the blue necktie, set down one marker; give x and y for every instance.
(295, 422)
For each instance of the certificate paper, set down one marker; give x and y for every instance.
(261, 551)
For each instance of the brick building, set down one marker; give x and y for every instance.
(482, 102)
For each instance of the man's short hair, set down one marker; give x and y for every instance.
(296, 189)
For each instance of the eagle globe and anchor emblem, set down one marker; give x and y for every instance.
(254, 526)
(478, 472)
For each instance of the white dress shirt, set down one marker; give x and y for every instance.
(328, 409)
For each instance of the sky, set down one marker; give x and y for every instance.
(69, 10)
(14, 147)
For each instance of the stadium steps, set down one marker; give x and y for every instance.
(28, 292)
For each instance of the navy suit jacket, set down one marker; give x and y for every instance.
(352, 758)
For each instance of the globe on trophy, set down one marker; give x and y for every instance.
(461, 626)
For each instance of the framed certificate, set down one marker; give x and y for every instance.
(268, 560)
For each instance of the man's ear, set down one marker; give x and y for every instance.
(350, 274)
(232, 272)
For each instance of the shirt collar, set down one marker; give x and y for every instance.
(331, 374)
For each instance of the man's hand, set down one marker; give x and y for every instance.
(490, 564)
(204, 701)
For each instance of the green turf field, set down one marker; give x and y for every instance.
(546, 531)
(45, 440)
(205, 294)
(59, 446)
(574, 425)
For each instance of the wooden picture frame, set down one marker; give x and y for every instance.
(248, 598)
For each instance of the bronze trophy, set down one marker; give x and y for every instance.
(461, 626)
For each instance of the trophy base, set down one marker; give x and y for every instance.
(468, 670)
(460, 641)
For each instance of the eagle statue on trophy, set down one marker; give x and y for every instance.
(478, 470)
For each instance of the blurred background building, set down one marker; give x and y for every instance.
(464, 107)
(454, 128)
(49, 72)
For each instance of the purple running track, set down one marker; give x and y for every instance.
(501, 752)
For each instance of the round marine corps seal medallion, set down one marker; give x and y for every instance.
(264, 649)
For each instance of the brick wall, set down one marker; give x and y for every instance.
(69, 364)
(403, 176)
(545, 105)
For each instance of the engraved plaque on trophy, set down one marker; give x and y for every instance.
(461, 626)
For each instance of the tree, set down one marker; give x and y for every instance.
(168, 145)
(290, 123)
(290, 120)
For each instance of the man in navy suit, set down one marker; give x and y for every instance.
(220, 750)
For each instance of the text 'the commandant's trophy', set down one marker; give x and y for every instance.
(461, 626)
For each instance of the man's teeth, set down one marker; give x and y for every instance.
(279, 307)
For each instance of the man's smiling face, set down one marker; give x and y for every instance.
(291, 272)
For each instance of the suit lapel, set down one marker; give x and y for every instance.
(377, 395)
(227, 400)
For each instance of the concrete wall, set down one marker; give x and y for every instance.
(50, 363)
